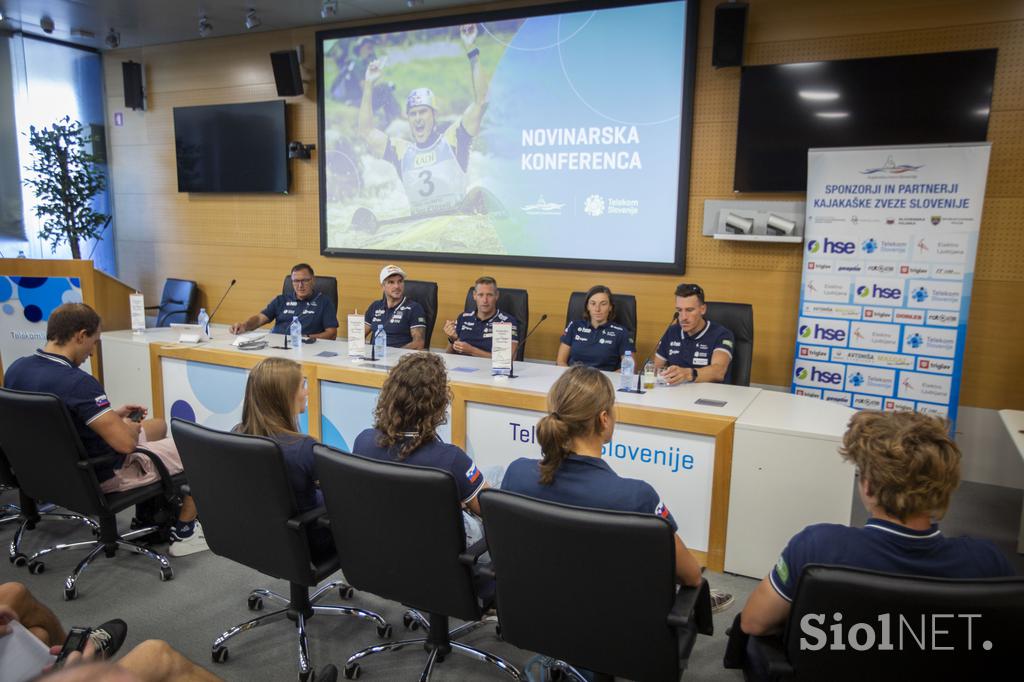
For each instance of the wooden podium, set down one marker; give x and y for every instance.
(25, 304)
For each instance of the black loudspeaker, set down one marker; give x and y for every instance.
(730, 25)
(134, 96)
(287, 75)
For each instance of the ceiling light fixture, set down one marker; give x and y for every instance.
(113, 39)
(832, 114)
(252, 20)
(329, 9)
(205, 27)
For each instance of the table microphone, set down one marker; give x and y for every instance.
(512, 365)
(640, 375)
(222, 299)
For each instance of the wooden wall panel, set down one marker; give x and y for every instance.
(213, 238)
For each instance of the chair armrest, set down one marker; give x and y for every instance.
(771, 650)
(165, 475)
(736, 646)
(93, 462)
(474, 552)
(153, 307)
(306, 518)
(692, 608)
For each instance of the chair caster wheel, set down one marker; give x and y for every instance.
(384, 631)
(36, 567)
(351, 671)
(255, 603)
(219, 655)
(19, 559)
(346, 592)
(70, 594)
(555, 675)
(307, 676)
(409, 622)
(166, 573)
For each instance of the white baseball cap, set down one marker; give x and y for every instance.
(389, 270)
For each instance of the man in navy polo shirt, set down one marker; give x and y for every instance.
(316, 312)
(471, 333)
(695, 349)
(404, 321)
(908, 468)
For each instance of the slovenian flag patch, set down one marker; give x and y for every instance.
(472, 473)
(102, 402)
(661, 510)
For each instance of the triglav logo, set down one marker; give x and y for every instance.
(890, 168)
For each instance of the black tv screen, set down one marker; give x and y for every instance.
(232, 148)
(786, 109)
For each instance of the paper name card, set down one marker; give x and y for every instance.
(356, 336)
(501, 347)
(137, 306)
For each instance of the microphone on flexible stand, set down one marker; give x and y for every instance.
(640, 375)
(512, 365)
(221, 302)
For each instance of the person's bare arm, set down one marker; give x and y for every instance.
(328, 334)
(375, 140)
(563, 355)
(474, 113)
(687, 568)
(254, 322)
(119, 434)
(765, 612)
(715, 372)
(418, 342)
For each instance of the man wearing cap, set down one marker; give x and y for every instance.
(404, 321)
(694, 349)
(433, 165)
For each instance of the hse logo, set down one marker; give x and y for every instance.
(832, 246)
(828, 332)
(878, 290)
(875, 291)
(821, 374)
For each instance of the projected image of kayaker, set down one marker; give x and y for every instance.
(432, 165)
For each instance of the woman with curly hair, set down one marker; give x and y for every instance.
(413, 403)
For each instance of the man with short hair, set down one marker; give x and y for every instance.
(404, 321)
(694, 349)
(907, 470)
(72, 333)
(470, 334)
(317, 313)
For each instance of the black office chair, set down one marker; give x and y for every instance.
(739, 319)
(424, 293)
(179, 303)
(328, 286)
(399, 532)
(47, 454)
(515, 302)
(553, 564)
(625, 310)
(240, 486)
(984, 646)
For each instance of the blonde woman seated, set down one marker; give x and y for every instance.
(275, 396)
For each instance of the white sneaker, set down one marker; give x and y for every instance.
(196, 542)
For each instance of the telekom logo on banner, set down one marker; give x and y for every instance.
(891, 238)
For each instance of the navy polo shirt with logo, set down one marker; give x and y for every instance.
(601, 347)
(398, 321)
(884, 546)
(586, 482)
(315, 314)
(679, 348)
(476, 332)
(84, 396)
(436, 455)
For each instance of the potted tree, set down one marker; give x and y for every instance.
(66, 176)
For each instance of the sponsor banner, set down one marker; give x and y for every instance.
(843, 312)
(873, 336)
(25, 307)
(862, 357)
(837, 397)
(807, 392)
(930, 341)
(873, 380)
(940, 411)
(892, 231)
(680, 466)
(933, 388)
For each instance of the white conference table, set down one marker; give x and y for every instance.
(742, 469)
(1013, 420)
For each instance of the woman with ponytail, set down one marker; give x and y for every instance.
(580, 420)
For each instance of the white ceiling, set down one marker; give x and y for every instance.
(151, 22)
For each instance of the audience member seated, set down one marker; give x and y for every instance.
(316, 312)
(693, 349)
(275, 396)
(72, 333)
(150, 661)
(595, 341)
(580, 420)
(907, 470)
(404, 321)
(471, 333)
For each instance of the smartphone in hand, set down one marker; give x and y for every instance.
(136, 415)
(77, 639)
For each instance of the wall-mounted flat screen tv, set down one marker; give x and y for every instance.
(232, 147)
(554, 135)
(785, 109)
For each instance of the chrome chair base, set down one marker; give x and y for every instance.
(19, 558)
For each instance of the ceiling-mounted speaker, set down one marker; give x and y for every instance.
(287, 73)
(134, 92)
(730, 25)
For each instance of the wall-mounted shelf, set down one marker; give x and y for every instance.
(778, 222)
(757, 238)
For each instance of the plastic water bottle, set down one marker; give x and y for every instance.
(649, 375)
(295, 333)
(380, 343)
(204, 323)
(628, 365)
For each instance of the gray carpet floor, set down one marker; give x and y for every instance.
(208, 595)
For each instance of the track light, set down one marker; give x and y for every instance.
(205, 27)
(113, 39)
(329, 9)
(252, 20)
